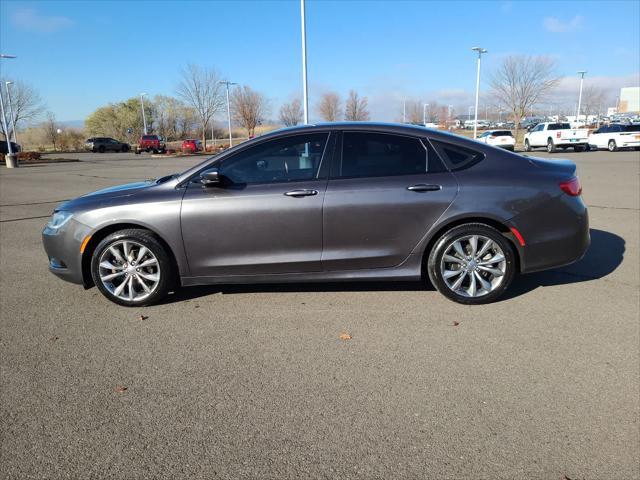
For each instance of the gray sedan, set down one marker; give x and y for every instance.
(343, 201)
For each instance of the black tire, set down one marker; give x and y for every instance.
(101, 149)
(167, 272)
(611, 146)
(439, 249)
(527, 146)
(551, 148)
(579, 149)
(154, 151)
(125, 148)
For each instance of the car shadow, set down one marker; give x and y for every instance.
(605, 254)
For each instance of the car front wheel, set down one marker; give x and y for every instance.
(612, 146)
(527, 146)
(472, 264)
(132, 268)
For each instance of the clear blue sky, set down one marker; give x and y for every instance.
(81, 55)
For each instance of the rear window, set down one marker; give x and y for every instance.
(632, 128)
(456, 157)
(559, 126)
(148, 137)
(502, 133)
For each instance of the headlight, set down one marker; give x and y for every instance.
(58, 219)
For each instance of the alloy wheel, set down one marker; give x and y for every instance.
(473, 266)
(129, 270)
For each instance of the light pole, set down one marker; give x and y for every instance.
(305, 97)
(404, 111)
(144, 118)
(581, 73)
(10, 158)
(13, 118)
(480, 51)
(424, 114)
(227, 83)
(469, 112)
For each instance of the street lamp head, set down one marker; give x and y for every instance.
(143, 94)
(479, 50)
(2, 55)
(582, 72)
(8, 82)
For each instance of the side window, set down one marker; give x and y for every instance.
(456, 157)
(538, 128)
(295, 158)
(368, 154)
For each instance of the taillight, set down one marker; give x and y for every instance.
(557, 134)
(571, 187)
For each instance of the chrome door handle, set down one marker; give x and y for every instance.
(424, 188)
(301, 193)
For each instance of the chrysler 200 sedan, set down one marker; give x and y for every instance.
(344, 201)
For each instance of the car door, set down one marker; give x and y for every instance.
(600, 139)
(536, 138)
(266, 215)
(384, 193)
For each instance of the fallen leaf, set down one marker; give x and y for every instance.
(53, 339)
(345, 336)
(142, 317)
(120, 389)
(456, 323)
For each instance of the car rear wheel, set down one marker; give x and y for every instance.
(527, 146)
(472, 264)
(125, 148)
(132, 268)
(612, 146)
(101, 149)
(578, 149)
(551, 148)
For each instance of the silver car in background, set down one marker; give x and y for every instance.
(342, 201)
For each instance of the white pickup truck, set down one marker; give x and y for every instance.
(556, 135)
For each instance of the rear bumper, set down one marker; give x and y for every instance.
(555, 234)
(63, 250)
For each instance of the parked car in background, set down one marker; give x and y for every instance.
(341, 201)
(4, 148)
(498, 138)
(191, 146)
(105, 144)
(615, 137)
(468, 124)
(151, 143)
(556, 135)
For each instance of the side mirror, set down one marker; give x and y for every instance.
(210, 177)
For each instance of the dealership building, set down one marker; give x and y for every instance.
(629, 100)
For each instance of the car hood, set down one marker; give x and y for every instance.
(104, 196)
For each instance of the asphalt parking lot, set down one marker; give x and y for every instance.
(254, 381)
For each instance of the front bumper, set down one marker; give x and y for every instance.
(63, 250)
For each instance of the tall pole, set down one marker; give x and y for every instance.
(480, 51)
(305, 97)
(144, 118)
(13, 118)
(424, 114)
(227, 83)
(581, 73)
(10, 158)
(404, 111)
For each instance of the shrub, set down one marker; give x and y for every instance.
(29, 156)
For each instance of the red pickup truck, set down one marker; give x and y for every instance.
(151, 143)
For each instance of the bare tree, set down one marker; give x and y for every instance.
(592, 100)
(355, 109)
(26, 104)
(291, 113)
(329, 107)
(200, 88)
(521, 82)
(51, 129)
(248, 108)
